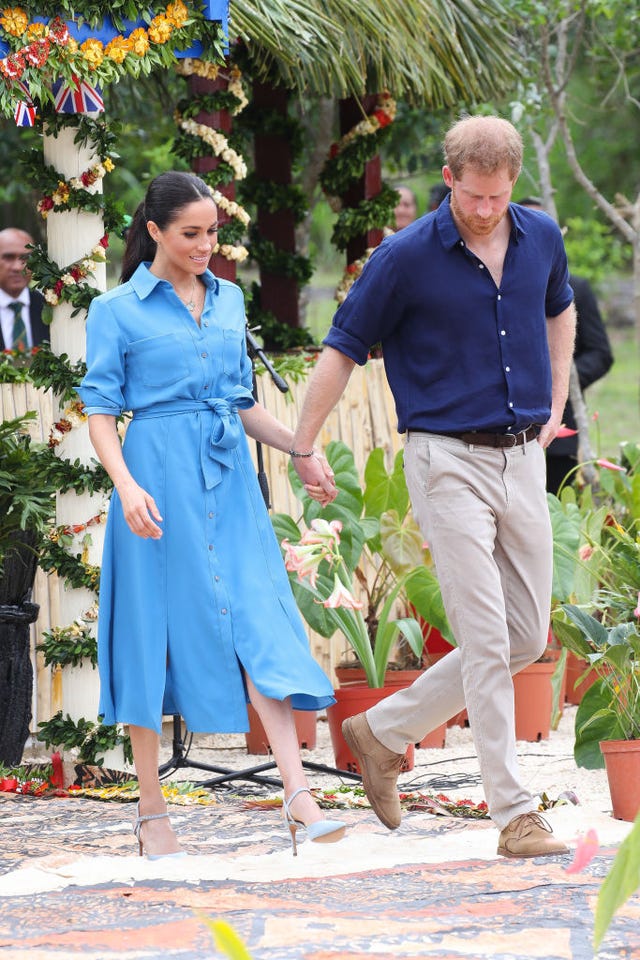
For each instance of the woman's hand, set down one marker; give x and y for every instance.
(324, 489)
(139, 507)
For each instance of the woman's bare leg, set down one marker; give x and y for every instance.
(279, 724)
(157, 835)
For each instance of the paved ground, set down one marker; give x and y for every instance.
(70, 884)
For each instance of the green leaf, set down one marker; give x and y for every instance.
(226, 939)
(401, 543)
(595, 721)
(621, 882)
(385, 491)
(423, 591)
(565, 525)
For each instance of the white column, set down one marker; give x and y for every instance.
(71, 236)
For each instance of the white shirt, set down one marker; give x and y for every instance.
(7, 316)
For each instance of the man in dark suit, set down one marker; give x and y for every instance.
(21, 325)
(592, 357)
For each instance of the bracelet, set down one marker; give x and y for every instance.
(294, 453)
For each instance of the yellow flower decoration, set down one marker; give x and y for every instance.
(36, 30)
(14, 20)
(93, 52)
(139, 42)
(177, 13)
(108, 164)
(118, 48)
(160, 29)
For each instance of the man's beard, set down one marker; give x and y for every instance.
(481, 226)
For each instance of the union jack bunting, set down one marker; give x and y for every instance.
(78, 97)
(25, 111)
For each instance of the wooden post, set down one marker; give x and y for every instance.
(273, 162)
(223, 121)
(370, 183)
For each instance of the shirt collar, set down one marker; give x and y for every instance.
(144, 282)
(23, 297)
(450, 235)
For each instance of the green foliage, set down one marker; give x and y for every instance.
(355, 221)
(69, 646)
(71, 567)
(271, 196)
(593, 251)
(279, 262)
(343, 169)
(26, 491)
(621, 882)
(92, 740)
(48, 370)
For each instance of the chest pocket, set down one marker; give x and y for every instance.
(232, 350)
(158, 361)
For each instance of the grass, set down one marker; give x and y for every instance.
(615, 399)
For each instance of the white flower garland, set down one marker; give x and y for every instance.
(211, 71)
(231, 252)
(230, 207)
(218, 143)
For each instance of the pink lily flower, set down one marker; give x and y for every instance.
(302, 560)
(341, 597)
(324, 532)
(610, 466)
(636, 612)
(565, 432)
(585, 551)
(586, 850)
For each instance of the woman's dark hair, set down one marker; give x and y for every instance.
(166, 195)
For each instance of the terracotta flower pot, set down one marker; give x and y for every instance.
(575, 669)
(350, 701)
(258, 742)
(622, 762)
(533, 699)
(435, 739)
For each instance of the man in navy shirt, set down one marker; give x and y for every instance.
(473, 309)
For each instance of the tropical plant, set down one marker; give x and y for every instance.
(609, 640)
(26, 495)
(364, 544)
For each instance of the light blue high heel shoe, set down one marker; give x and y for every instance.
(137, 826)
(321, 831)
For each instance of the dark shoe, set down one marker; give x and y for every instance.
(379, 767)
(529, 835)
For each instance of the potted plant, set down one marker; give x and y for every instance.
(357, 565)
(608, 639)
(26, 507)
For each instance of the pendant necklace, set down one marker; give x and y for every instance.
(191, 303)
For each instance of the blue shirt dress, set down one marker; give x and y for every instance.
(181, 616)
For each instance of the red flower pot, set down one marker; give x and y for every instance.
(350, 701)
(258, 742)
(533, 698)
(576, 667)
(622, 762)
(434, 739)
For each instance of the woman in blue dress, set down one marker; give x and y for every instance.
(196, 612)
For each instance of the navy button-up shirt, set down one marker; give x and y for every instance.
(460, 353)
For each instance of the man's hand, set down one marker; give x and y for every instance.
(317, 477)
(549, 430)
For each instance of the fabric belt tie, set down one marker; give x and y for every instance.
(495, 439)
(219, 437)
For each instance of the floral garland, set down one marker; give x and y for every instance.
(348, 155)
(195, 137)
(41, 53)
(66, 284)
(73, 416)
(60, 197)
(351, 273)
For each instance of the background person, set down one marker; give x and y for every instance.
(475, 314)
(196, 610)
(593, 358)
(21, 323)
(406, 209)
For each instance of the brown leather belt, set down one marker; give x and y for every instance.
(495, 439)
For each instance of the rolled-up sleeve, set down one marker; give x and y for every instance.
(101, 390)
(370, 310)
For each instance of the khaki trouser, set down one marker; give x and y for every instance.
(484, 514)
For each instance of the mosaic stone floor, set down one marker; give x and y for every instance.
(71, 885)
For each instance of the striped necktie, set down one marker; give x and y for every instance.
(19, 339)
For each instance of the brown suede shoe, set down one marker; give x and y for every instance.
(529, 835)
(380, 768)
